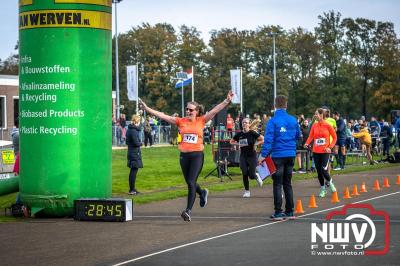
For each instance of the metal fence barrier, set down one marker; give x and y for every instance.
(159, 134)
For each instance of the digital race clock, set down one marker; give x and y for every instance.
(112, 210)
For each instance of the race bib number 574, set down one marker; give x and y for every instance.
(190, 138)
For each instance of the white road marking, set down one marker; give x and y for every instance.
(240, 231)
(205, 217)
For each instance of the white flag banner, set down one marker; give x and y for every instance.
(236, 85)
(132, 83)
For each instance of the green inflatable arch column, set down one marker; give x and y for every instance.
(65, 103)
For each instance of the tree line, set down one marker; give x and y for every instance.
(350, 65)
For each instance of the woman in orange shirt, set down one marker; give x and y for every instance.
(191, 147)
(324, 137)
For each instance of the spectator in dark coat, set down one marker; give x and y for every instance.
(147, 133)
(134, 153)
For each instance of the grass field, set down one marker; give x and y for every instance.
(161, 177)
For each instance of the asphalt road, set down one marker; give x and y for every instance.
(230, 230)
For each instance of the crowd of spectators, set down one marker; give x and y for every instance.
(384, 135)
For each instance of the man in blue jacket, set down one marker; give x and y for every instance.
(280, 138)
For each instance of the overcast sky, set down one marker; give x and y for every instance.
(207, 15)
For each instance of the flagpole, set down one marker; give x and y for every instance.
(241, 92)
(137, 88)
(192, 84)
(183, 109)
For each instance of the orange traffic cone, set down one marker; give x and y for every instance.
(313, 203)
(398, 180)
(346, 194)
(363, 188)
(386, 183)
(376, 186)
(355, 191)
(299, 207)
(335, 197)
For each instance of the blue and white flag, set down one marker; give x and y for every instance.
(186, 81)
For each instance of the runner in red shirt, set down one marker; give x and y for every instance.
(324, 138)
(229, 124)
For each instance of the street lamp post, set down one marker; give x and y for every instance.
(274, 68)
(116, 61)
(273, 34)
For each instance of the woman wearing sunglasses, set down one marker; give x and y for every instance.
(191, 147)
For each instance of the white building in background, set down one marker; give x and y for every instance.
(9, 104)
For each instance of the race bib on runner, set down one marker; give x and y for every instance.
(243, 142)
(320, 142)
(190, 138)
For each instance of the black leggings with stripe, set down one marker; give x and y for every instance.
(248, 164)
(191, 165)
(321, 161)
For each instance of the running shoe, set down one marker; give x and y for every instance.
(203, 197)
(332, 186)
(133, 192)
(301, 171)
(322, 192)
(246, 194)
(186, 215)
(290, 215)
(337, 169)
(278, 216)
(259, 180)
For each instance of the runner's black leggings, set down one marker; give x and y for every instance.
(191, 165)
(248, 164)
(321, 161)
